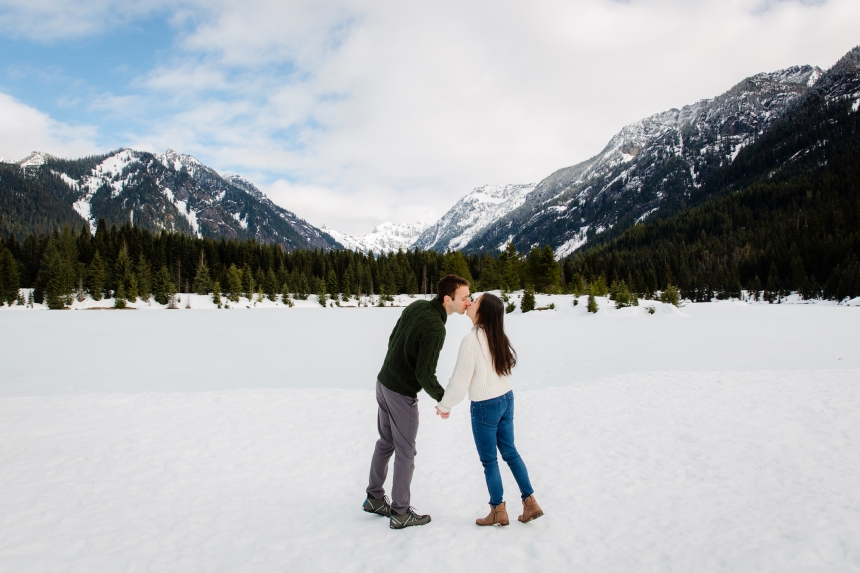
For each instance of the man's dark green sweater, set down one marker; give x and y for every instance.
(413, 350)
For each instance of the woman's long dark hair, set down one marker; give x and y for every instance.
(491, 318)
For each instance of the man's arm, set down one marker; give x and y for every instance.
(425, 367)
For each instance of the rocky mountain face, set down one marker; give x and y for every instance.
(387, 237)
(171, 191)
(472, 214)
(657, 161)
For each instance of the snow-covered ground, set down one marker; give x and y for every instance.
(717, 437)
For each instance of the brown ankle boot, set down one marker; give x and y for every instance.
(498, 516)
(531, 509)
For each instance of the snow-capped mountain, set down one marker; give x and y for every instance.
(35, 159)
(175, 192)
(385, 238)
(651, 162)
(471, 214)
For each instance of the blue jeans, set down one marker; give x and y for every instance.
(493, 427)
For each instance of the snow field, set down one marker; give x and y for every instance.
(717, 437)
(311, 347)
(661, 472)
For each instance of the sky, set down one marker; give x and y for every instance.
(353, 113)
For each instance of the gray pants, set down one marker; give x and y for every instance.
(397, 422)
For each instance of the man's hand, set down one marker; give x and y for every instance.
(441, 413)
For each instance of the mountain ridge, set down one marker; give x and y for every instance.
(170, 191)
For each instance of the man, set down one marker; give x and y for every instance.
(409, 367)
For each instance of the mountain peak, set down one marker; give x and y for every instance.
(35, 159)
(385, 237)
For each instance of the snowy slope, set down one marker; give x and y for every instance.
(386, 237)
(649, 162)
(471, 214)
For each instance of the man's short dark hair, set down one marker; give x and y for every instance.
(448, 286)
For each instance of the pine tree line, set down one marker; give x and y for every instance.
(130, 263)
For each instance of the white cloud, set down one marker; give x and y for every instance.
(397, 109)
(24, 129)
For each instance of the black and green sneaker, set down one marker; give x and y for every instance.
(408, 519)
(377, 506)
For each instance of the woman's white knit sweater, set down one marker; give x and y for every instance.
(474, 373)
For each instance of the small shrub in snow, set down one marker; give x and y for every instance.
(651, 310)
(598, 287)
(620, 293)
(575, 301)
(119, 301)
(528, 303)
(670, 295)
(510, 307)
(592, 303)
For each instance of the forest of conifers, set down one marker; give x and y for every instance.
(138, 263)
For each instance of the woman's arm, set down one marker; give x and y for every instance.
(460, 380)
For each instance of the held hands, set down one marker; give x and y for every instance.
(441, 413)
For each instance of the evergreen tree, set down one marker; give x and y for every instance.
(592, 303)
(456, 264)
(234, 283)
(303, 289)
(270, 285)
(119, 300)
(598, 286)
(411, 286)
(509, 262)
(122, 269)
(347, 281)
(754, 288)
(202, 278)
(528, 302)
(577, 285)
(543, 269)
(163, 289)
(248, 286)
(132, 288)
(96, 277)
(321, 287)
(80, 293)
(332, 286)
(144, 278)
(620, 293)
(670, 295)
(772, 288)
(57, 271)
(844, 281)
(216, 293)
(10, 278)
(490, 279)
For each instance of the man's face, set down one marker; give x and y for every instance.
(460, 302)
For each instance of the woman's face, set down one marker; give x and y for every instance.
(472, 311)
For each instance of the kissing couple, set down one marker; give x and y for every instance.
(484, 363)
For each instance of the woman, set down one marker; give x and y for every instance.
(483, 364)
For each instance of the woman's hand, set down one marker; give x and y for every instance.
(441, 413)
